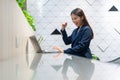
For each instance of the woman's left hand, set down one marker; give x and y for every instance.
(59, 49)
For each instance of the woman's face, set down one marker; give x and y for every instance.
(76, 20)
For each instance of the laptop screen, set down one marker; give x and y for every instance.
(35, 44)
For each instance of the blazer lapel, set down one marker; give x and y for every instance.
(77, 34)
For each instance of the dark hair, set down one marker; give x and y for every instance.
(79, 12)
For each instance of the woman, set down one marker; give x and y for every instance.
(80, 38)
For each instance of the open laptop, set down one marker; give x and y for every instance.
(37, 47)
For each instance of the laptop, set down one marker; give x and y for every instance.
(37, 47)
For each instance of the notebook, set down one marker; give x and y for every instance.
(37, 46)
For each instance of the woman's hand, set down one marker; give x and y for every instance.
(60, 50)
(64, 25)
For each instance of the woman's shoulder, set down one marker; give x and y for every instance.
(86, 27)
(83, 28)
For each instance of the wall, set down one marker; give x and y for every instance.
(14, 30)
(103, 16)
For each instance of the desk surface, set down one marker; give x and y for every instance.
(45, 67)
(75, 68)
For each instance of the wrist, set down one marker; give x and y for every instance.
(61, 50)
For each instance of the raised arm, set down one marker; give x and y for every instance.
(66, 39)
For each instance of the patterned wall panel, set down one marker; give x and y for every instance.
(103, 16)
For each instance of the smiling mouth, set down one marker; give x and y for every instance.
(76, 23)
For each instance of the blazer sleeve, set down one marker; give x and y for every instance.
(66, 39)
(82, 44)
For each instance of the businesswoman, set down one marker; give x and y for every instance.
(80, 38)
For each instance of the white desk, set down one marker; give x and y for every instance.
(75, 68)
(38, 66)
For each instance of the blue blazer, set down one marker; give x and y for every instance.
(79, 41)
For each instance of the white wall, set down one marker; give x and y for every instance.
(51, 13)
(14, 30)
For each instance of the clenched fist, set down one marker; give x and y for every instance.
(64, 25)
